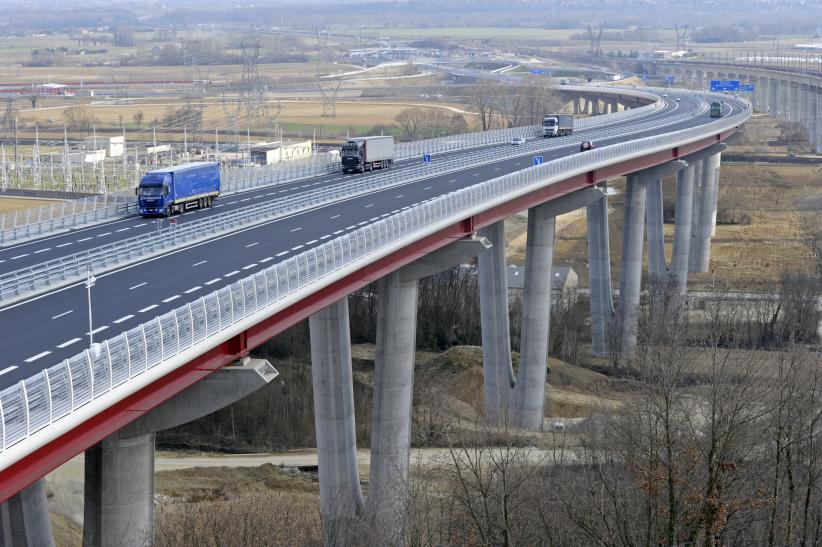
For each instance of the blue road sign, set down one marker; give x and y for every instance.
(426, 158)
(724, 85)
(540, 71)
(538, 160)
(669, 79)
(747, 87)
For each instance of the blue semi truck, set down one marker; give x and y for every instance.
(175, 189)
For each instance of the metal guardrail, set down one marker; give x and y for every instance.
(69, 268)
(57, 392)
(56, 217)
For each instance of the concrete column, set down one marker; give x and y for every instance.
(813, 96)
(119, 492)
(715, 200)
(498, 374)
(631, 265)
(529, 395)
(702, 253)
(599, 275)
(773, 97)
(393, 395)
(682, 228)
(589, 107)
(575, 102)
(24, 519)
(817, 123)
(803, 106)
(340, 494)
(119, 487)
(654, 224)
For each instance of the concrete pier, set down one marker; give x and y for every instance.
(24, 519)
(682, 229)
(702, 252)
(529, 394)
(498, 374)
(393, 395)
(599, 275)
(340, 493)
(654, 225)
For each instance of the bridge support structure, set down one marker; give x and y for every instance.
(24, 519)
(599, 275)
(119, 471)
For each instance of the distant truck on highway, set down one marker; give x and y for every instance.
(175, 189)
(716, 109)
(366, 154)
(557, 125)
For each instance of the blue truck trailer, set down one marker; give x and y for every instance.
(175, 189)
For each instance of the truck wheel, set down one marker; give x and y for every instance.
(169, 211)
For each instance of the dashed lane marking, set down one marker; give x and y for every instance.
(296, 229)
(249, 266)
(192, 289)
(252, 244)
(213, 281)
(266, 259)
(58, 316)
(84, 239)
(67, 343)
(147, 308)
(235, 272)
(171, 298)
(8, 369)
(40, 355)
(42, 250)
(98, 329)
(283, 253)
(200, 263)
(297, 247)
(123, 319)
(138, 286)
(335, 216)
(19, 256)
(63, 245)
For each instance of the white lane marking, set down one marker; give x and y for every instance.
(7, 369)
(143, 224)
(453, 180)
(230, 202)
(246, 199)
(326, 236)
(235, 272)
(271, 193)
(171, 298)
(147, 308)
(199, 263)
(335, 216)
(296, 229)
(312, 242)
(337, 232)
(395, 211)
(384, 215)
(281, 191)
(427, 188)
(363, 223)
(104, 234)
(98, 329)
(213, 281)
(475, 175)
(282, 253)
(63, 245)
(369, 205)
(350, 227)
(266, 259)
(192, 289)
(297, 247)
(67, 343)
(252, 244)
(399, 196)
(122, 230)
(122, 319)
(249, 266)
(496, 168)
(218, 205)
(42, 250)
(19, 256)
(138, 286)
(40, 355)
(517, 163)
(62, 314)
(84, 239)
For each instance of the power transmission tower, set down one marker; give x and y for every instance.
(327, 87)
(681, 37)
(252, 86)
(595, 37)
